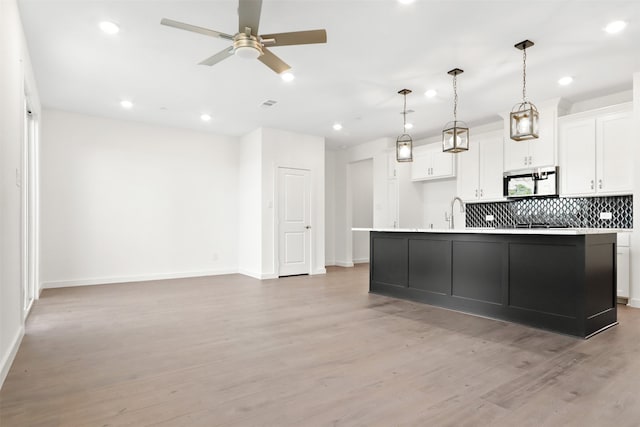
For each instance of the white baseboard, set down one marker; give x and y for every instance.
(125, 279)
(361, 260)
(319, 271)
(265, 276)
(254, 274)
(7, 359)
(344, 264)
(634, 302)
(329, 263)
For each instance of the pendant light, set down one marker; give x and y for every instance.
(455, 136)
(404, 143)
(524, 116)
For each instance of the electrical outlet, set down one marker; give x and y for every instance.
(605, 215)
(489, 218)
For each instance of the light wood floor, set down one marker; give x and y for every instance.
(305, 351)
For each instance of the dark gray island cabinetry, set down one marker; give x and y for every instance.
(560, 280)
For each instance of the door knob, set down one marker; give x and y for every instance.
(308, 227)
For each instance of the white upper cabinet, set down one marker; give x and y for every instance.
(594, 152)
(537, 152)
(429, 162)
(480, 168)
(614, 164)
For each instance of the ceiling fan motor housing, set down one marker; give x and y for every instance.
(247, 46)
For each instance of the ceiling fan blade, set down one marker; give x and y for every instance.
(249, 15)
(273, 62)
(213, 60)
(296, 37)
(194, 29)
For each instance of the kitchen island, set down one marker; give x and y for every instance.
(563, 280)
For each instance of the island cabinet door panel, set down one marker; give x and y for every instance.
(601, 278)
(477, 270)
(430, 265)
(389, 260)
(544, 278)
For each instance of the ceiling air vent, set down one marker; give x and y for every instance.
(268, 103)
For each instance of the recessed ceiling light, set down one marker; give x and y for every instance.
(566, 80)
(615, 27)
(337, 126)
(109, 27)
(430, 93)
(287, 77)
(126, 104)
(408, 126)
(406, 1)
(205, 117)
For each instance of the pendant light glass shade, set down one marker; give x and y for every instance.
(524, 122)
(404, 148)
(404, 143)
(455, 135)
(524, 116)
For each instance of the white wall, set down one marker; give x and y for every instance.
(437, 196)
(329, 207)
(376, 150)
(361, 174)
(124, 201)
(15, 73)
(292, 150)
(250, 205)
(634, 291)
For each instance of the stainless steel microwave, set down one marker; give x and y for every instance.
(538, 182)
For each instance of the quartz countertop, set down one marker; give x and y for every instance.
(482, 230)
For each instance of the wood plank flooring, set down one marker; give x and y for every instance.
(305, 351)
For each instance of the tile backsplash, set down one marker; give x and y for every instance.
(579, 212)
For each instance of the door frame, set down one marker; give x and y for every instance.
(29, 207)
(276, 219)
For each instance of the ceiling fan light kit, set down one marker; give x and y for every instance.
(247, 43)
(404, 143)
(524, 117)
(455, 135)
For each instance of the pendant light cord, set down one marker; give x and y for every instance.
(524, 75)
(404, 115)
(455, 98)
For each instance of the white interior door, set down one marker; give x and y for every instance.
(294, 221)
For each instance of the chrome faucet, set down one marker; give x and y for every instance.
(449, 217)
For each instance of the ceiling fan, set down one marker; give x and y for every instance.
(247, 43)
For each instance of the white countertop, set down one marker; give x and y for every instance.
(546, 231)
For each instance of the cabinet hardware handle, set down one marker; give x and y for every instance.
(600, 184)
(592, 184)
(481, 193)
(525, 160)
(476, 192)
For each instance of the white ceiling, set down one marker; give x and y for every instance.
(374, 49)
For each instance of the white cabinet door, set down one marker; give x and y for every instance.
(622, 267)
(542, 150)
(429, 162)
(615, 164)
(577, 157)
(491, 151)
(391, 165)
(392, 203)
(467, 184)
(421, 165)
(516, 154)
(442, 164)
